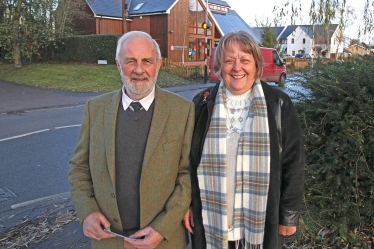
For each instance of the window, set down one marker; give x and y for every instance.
(292, 41)
(197, 17)
(137, 7)
(303, 40)
(276, 58)
(293, 53)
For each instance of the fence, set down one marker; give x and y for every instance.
(297, 63)
(186, 71)
(302, 63)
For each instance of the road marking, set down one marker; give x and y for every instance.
(69, 126)
(26, 203)
(53, 108)
(23, 135)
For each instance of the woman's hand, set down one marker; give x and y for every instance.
(188, 220)
(286, 230)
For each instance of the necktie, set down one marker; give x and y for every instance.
(136, 106)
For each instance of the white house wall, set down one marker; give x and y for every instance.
(298, 35)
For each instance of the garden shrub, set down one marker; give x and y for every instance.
(85, 48)
(336, 112)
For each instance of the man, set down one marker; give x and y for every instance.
(130, 169)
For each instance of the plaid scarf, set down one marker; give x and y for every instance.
(252, 176)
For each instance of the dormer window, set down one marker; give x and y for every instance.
(137, 7)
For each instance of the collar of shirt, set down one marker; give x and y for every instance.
(145, 102)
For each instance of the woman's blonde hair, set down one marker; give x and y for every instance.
(247, 44)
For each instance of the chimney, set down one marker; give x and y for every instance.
(124, 12)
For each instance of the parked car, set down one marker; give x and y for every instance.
(285, 56)
(303, 56)
(274, 68)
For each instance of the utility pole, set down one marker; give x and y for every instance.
(206, 44)
(124, 15)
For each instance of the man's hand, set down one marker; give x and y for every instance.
(286, 230)
(92, 226)
(188, 220)
(150, 241)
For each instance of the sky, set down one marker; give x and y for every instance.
(251, 10)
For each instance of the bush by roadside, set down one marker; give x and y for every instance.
(337, 118)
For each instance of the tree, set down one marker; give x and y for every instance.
(269, 38)
(27, 26)
(324, 12)
(354, 41)
(66, 13)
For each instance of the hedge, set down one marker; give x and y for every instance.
(84, 49)
(336, 109)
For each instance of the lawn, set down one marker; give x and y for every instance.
(78, 77)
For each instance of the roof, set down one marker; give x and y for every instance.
(308, 29)
(219, 2)
(276, 30)
(359, 46)
(231, 21)
(112, 8)
(150, 6)
(287, 31)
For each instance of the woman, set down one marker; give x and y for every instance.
(247, 158)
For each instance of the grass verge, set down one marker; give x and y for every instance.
(79, 77)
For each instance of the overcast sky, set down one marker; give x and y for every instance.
(250, 10)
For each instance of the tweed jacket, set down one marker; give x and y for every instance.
(286, 164)
(165, 191)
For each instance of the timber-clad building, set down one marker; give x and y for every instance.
(175, 24)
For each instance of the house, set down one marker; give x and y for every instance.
(356, 49)
(310, 39)
(175, 24)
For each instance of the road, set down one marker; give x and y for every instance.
(36, 147)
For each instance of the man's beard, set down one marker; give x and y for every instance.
(136, 88)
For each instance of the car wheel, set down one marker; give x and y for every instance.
(282, 80)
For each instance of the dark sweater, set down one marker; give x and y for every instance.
(132, 130)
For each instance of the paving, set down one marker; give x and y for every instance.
(57, 212)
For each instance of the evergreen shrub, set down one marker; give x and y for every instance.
(336, 110)
(85, 48)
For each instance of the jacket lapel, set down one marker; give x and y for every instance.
(110, 119)
(160, 114)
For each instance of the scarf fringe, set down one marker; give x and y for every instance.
(246, 245)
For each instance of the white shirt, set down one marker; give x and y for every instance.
(146, 102)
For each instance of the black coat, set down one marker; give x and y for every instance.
(286, 163)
